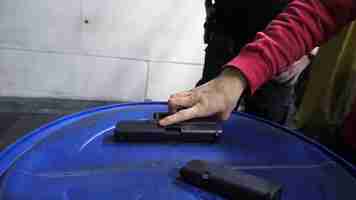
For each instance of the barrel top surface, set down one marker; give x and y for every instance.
(77, 158)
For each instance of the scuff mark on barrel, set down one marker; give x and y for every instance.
(95, 136)
(101, 170)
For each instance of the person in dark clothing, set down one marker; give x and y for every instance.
(229, 26)
(302, 26)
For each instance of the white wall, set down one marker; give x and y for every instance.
(128, 50)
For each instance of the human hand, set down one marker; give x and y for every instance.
(217, 97)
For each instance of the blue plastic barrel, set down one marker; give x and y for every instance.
(74, 158)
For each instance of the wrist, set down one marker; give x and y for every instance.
(234, 75)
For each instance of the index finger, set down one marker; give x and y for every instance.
(180, 116)
(179, 102)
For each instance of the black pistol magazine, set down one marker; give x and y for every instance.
(229, 183)
(202, 130)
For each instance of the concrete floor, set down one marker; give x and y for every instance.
(19, 116)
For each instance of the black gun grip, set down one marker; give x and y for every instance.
(203, 130)
(229, 183)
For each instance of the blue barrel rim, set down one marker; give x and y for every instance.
(344, 163)
(11, 153)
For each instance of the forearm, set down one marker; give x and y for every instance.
(302, 26)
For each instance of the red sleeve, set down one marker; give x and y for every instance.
(303, 25)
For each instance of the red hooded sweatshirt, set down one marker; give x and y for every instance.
(303, 25)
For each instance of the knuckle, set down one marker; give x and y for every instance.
(190, 99)
(172, 101)
(171, 119)
(196, 112)
(187, 114)
(196, 97)
(184, 114)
